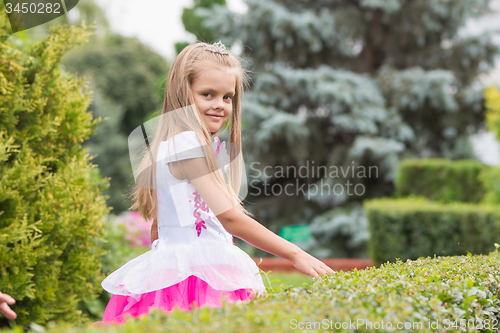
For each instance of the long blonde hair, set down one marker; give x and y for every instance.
(186, 68)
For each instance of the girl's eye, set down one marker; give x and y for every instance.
(228, 98)
(206, 94)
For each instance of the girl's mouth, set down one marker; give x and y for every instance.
(215, 117)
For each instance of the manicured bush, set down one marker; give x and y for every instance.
(441, 180)
(490, 179)
(409, 228)
(438, 293)
(51, 206)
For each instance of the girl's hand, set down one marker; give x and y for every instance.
(5, 300)
(306, 263)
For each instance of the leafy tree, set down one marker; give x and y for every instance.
(51, 204)
(128, 79)
(85, 11)
(352, 83)
(194, 24)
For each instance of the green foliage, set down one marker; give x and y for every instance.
(409, 228)
(448, 181)
(51, 204)
(128, 80)
(423, 291)
(179, 46)
(441, 180)
(492, 103)
(86, 11)
(440, 114)
(195, 24)
(490, 179)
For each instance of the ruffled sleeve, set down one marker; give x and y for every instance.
(183, 146)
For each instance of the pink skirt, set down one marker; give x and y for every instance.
(185, 295)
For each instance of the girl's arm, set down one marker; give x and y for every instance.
(251, 231)
(243, 226)
(154, 231)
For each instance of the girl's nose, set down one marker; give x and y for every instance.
(218, 103)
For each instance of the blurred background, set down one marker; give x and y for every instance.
(408, 89)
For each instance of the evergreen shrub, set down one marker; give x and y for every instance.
(428, 295)
(51, 206)
(441, 180)
(409, 228)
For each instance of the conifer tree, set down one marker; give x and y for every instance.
(352, 84)
(51, 206)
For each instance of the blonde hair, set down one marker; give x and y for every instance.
(187, 67)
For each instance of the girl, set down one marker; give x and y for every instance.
(190, 190)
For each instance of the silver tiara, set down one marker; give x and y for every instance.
(216, 48)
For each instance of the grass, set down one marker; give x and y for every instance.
(295, 279)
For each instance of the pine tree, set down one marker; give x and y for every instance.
(352, 83)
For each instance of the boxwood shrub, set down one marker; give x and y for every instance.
(441, 180)
(426, 295)
(408, 228)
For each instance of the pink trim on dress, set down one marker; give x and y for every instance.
(190, 293)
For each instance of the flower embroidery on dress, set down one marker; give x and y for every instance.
(200, 204)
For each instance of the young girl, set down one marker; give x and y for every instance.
(191, 191)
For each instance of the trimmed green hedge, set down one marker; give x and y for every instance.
(409, 228)
(427, 291)
(441, 180)
(491, 182)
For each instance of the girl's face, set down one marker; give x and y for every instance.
(213, 92)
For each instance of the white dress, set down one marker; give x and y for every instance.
(182, 249)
